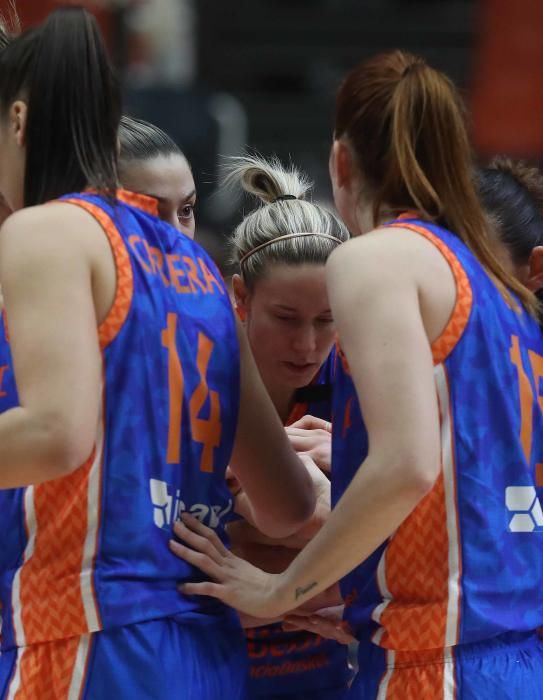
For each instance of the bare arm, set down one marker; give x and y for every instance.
(375, 302)
(46, 283)
(278, 488)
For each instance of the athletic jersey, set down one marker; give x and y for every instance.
(293, 662)
(8, 399)
(465, 566)
(89, 551)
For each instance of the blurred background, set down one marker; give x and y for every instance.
(221, 77)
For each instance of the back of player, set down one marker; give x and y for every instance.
(434, 530)
(171, 384)
(421, 604)
(87, 582)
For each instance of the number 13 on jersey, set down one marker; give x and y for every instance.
(206, 431)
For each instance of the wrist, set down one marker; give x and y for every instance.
(279, 594)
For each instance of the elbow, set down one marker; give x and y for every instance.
(295, 513)
(64, 449)
(419, 476)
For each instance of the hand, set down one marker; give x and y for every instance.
(242, 533)
(321, 487)
(312, 436)
(327, 623)
(234, 581)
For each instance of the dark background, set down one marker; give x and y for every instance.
(221, 76)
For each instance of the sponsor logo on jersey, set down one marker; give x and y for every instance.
(168, 506)
(524, 509)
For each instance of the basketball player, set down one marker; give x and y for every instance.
(126, 363)
(280, 250)
(435, 534)
(151, 163)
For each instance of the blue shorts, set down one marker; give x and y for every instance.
(293, 665)
(151, 660)
(339, 694)
(509, 667)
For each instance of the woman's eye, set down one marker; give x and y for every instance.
(186, 212)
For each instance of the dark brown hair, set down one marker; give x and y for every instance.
(61, 69)
(405, 123)
(512, 196)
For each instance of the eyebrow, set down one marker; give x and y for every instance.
(189, 196)
(290, 309)
(163, 199)
(282, 307)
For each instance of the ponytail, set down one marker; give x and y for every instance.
(405, 123)
(62, 71)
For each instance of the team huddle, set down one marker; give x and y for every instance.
(213, 493)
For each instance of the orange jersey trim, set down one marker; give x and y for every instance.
(52, 605)
(112, 324)
(52, 670)
(138, 200)
(445, 344)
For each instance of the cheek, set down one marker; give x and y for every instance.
(343, 205)
(325, 340)
(189, 229)
(267, 339)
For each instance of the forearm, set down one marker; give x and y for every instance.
(31, 450)
(377, 501)
(278, 502)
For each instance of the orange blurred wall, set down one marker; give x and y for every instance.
(507, 97)
(31, 12)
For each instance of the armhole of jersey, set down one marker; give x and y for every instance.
(109, 328)
(451, 334)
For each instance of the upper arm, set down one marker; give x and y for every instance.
(46, 276)
(375, 302)
(273, 478)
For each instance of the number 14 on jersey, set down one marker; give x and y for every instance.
(206, 431)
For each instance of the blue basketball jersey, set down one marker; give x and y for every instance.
(90, 551)
(10, 512)
(284, 663)
(466, 565)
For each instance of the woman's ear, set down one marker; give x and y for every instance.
(241, 296)
(18, 113)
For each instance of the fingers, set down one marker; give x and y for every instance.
(201, 561)
(205, 551)
(214, 590)
(315, 435)
(311, 423)
(199, 536)
(329, 629)
(300, 444)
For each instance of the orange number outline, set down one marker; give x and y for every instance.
(527, 397)
(206, 431)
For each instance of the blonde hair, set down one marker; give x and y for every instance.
(283, 211)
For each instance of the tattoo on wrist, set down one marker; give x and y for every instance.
(302, 590)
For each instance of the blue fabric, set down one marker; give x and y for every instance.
(505, 668)
(292, 664)
(140, 494)
(497, 490)
(152, 660)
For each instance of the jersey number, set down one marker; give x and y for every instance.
(206, 431)
(527, 398)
